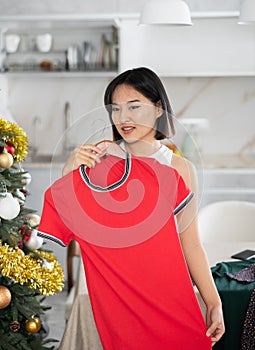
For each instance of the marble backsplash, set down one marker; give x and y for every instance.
(227, 103)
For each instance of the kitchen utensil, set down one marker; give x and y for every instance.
(86, 53)
(73, 57)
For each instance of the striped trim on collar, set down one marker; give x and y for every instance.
(111, 187)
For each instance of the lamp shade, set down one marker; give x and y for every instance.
(247, 12)
(166, 12)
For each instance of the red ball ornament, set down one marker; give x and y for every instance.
(25, 232)
(24, 191)
(27, 235)
(10, 148)
(22, 229)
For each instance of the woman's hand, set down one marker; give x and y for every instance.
(215, 323)
(87, 154)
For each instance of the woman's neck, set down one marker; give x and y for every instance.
(143, 148)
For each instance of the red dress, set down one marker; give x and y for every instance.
(122, 213)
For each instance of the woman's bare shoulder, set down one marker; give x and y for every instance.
(184, 167)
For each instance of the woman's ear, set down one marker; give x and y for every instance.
(159, 110)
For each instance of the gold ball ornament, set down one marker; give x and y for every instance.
(33, 220)
(38, 322)
(33, 325)
(6, 160)
(5, 297)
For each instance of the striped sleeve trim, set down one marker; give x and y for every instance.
(51, 238)
(184, 203)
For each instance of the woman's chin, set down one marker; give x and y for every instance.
(130, 140)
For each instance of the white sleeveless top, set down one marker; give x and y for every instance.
(163, 155)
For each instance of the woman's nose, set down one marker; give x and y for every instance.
(123, 116)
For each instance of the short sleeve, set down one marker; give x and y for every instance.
(184, 195)
(52, 225)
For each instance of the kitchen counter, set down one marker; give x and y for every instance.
(226, 177)
(228, 161)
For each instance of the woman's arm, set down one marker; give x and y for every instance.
(195, 255)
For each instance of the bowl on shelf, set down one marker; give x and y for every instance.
(44, 42)
(12, 42)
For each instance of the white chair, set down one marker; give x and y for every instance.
(227, 221)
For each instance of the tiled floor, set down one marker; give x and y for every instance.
(55, 317)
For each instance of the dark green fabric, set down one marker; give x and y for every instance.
(235, 298)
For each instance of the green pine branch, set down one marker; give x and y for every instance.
(25, 301)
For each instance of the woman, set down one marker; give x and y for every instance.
(141, 116)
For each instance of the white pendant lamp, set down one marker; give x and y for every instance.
(247, 12)
(166, 12)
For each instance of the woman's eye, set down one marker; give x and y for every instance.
(134, 107)
(115, 109)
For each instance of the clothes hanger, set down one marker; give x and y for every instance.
(111, 148)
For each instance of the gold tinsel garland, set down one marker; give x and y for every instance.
(27, 269)
(19, 141)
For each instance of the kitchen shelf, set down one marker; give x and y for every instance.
(62, 74)
(35, 52)
(194, 15)
(99, 31)
(227, 163)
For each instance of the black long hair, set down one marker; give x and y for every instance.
(150, 86)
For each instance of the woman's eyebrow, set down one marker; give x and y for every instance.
(131, 101)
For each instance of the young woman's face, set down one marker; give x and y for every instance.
(133, 114)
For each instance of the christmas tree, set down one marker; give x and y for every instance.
(27, 272)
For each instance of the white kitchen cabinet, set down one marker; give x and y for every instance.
(214, 46)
